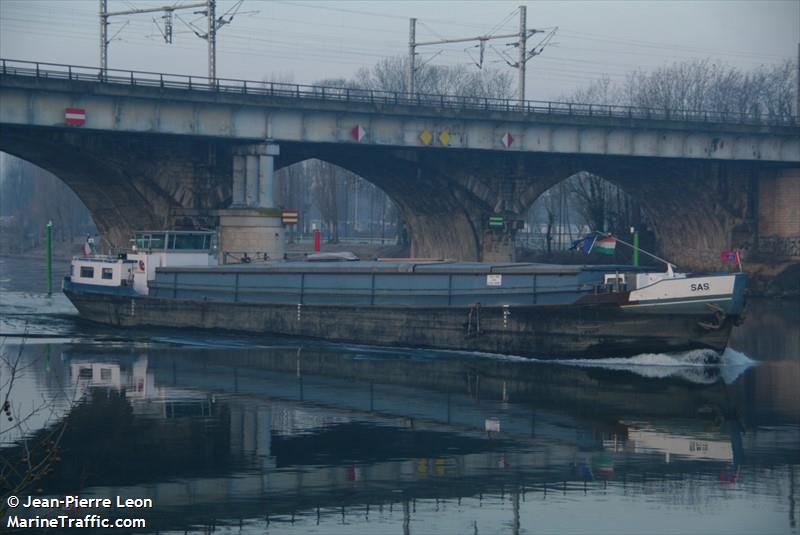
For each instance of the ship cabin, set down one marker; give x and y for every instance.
(102, 270)
(130, 272)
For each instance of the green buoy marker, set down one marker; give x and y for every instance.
(49, 259)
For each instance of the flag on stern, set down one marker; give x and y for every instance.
(584, 244)
(605, 245)
(729, 256)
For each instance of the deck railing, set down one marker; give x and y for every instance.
(372, 96)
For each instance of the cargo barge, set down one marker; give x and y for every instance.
(525, 309)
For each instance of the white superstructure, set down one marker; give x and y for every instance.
(149, 251)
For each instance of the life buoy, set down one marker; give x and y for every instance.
(141, 265)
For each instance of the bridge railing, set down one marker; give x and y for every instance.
(349, 94)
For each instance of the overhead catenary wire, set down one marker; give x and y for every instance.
(77, 14)
(612, 67)
(73, 14)
(568, 75)
(565, 63)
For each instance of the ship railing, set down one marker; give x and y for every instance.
(109, 259)
(249, 257)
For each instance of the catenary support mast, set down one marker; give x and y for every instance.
(522, 44)
(412, 34)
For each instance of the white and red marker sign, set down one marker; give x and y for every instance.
(358, 132)
(290, 217)
(507, 139)
(75, 116)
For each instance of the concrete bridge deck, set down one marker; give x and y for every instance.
(36, 94)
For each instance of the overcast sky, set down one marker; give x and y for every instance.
(310, 40)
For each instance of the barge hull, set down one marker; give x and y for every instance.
(540, 331)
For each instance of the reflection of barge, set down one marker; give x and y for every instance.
(521, 309)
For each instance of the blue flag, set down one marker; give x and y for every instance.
(584, 244)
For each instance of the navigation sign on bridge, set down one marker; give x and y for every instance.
(426, 137)
(358, 132)
(75, 116)
(290, 217)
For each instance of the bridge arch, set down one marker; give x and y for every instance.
(434, 212)
(130, 183)
(695, 209)
(330, 194)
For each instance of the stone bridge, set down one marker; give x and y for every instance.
(154, 150)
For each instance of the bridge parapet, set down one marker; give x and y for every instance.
(439, 102)
(155, 104)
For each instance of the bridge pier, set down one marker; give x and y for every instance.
(778, 213)
(251, 226)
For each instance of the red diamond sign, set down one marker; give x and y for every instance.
(507, 139)
(358, 132)
(75, 116)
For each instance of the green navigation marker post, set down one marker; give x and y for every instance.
(635, 247)
(49, 258)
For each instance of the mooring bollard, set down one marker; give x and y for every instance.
(317, 239)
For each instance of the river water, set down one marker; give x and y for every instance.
(240, 434)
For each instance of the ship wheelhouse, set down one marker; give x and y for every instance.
(130, 272)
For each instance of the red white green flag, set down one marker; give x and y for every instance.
(605, 245)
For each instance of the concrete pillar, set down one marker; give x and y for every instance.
(254, 176)
(778, 213)
(498, 246)
(266, 173)
(252, 225)
(238, 180)
(251, 181)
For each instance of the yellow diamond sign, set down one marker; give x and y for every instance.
(444, 137)
(426, 137)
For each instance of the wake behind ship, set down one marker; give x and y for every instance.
(525, 309)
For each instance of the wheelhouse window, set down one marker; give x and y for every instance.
(157, 242)
(108, 274)
(87, 272)
(190, 242)
(174, 241)
(153, 242)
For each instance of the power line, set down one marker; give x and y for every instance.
(208, 9)
(661, 45)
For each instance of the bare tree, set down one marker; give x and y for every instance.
(30, 197)
(323, 191)
(26, 456)
(767, 91)
(389, 74)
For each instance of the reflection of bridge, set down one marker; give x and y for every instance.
(275, 433)
(160, 150)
